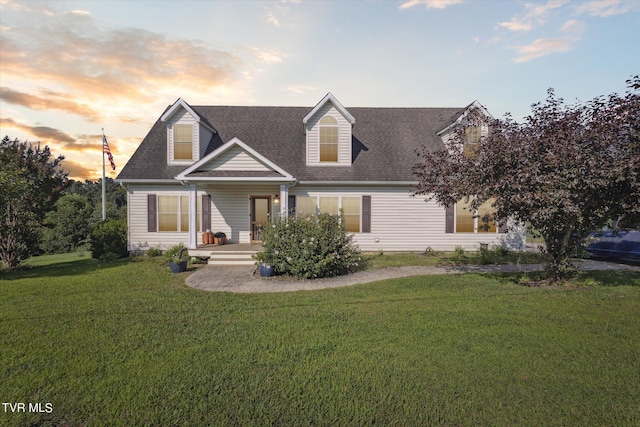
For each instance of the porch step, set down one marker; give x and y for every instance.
(220, 257)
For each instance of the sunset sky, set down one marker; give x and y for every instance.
(70, 68)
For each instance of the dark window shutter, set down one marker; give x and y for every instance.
(206, 212)
(152, 217)
(449, 215)
(292, 205)
(366, 214)
(502, 226)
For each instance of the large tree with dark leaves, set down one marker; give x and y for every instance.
(30, 182)
(567, 170)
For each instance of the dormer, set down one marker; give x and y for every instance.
(328, 129)
(475, 118)
(188, 134)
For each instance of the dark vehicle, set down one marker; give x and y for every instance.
(624, 245)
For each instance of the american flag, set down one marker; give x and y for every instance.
(107, 151)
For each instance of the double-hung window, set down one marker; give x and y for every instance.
(173, 213)
(471, 221)
(472, 136)
(351, 209)
(182, 142)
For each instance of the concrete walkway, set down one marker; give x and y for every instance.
(241, 279)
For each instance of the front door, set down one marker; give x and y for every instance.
(260, 211)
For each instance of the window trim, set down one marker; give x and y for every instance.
(173, 142)
(178, 214)
(361, 218)
(451, 222)
(333, 125)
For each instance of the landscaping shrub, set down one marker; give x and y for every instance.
(109, 240)
(153, 252)
(458, 252)
(308, 248)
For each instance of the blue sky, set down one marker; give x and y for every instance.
(70, 68)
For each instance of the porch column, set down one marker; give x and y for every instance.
(284, 200)
(193, 217)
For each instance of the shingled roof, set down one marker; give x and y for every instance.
(384, 141)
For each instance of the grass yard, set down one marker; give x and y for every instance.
(432, 258)
(128, 343)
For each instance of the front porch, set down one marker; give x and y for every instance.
(227, 254)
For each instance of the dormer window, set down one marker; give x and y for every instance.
(472, 134)
(182, 142)
(328, 139)
(328, 130)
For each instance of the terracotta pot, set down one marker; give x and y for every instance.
(207, 238)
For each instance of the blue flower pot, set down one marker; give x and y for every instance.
(266, 270)
(178, 267)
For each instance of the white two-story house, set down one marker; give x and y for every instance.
(231, 168)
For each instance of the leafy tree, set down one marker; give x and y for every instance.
(30, 183)
(116, 197)
(567, 170)
(68, 226)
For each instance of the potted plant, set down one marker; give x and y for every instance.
(265, 269)
(219, 238)
(177, 260)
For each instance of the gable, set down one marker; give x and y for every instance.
(329, 99)
(234, 161)
(461, 117)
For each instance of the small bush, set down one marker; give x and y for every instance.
(109, 237)
(308, 248)
(501, 251)
(485, 257)
(153, 252)
(109, 257)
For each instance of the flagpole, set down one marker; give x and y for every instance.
(104, 188)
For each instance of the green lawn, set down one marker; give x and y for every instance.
(129, 344)
(399, 259)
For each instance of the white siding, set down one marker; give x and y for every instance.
(313, 138)
(400, 222)
(235, 159)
